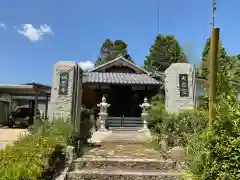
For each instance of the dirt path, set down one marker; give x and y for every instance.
(8, 135)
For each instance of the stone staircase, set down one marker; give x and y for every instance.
(127, 136)
(124, 155)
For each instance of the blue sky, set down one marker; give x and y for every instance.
(74, 30)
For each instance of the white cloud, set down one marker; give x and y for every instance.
(34, 34)
(3, 26)
(86, 65)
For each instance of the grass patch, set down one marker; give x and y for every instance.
(39, 155)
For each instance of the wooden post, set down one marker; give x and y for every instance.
(213, 74)
(78, 103)
(35, 107)
(46, 107)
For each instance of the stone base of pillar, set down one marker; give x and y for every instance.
(102, 130)
(100, 135)
(147, 132)
(144, 130)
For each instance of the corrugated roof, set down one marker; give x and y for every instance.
(119, 78)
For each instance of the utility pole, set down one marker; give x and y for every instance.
(213, 74)
(213, 69)
(214, 8)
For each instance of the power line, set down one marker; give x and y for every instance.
(158, 16)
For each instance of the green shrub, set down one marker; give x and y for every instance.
(34, 156)
(157, 112)
(215, 153)
(177, 127)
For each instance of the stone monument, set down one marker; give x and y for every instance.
(66, 91)
(180, 87)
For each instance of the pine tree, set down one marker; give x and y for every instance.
(224, 67)
(165, 51)
(111, 50)
(222, 60)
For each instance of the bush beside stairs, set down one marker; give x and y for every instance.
(120, 157)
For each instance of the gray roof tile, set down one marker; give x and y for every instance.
(119, 78)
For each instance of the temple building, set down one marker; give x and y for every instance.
(124, 85)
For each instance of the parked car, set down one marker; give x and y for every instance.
(22, 117)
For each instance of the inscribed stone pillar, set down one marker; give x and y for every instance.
(64, 89)
(180, 87)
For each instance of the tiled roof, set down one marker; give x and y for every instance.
(119, 78)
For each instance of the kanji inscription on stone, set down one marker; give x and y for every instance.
(183, 85)
(63, 85)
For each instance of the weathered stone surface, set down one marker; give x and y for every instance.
(98, 174)
(122, 163)
(61, 105)
(122, 158)
(124, 151)
(163, 143)
(100, 136)
(70, 154)
(128, 137)
(177, 153)
(173, 102)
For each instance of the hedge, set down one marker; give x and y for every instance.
(38, 155)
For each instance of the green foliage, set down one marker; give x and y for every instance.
(176, 127)
(215, 153)
(224, 67)
(227, 74)
(228, 79)
(111, 50)
(37, 155)
(165, 51)
(179, 127)
(157, 111)
(206, 58)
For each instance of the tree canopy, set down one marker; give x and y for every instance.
(205, 58)
(111, 50)
(165, 51)
(227, 71)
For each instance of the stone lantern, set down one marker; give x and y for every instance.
(145, 113)
(103, 113)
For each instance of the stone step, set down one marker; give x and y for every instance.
(127, 137)
(118, 174)
(123, 163)
(133, 129)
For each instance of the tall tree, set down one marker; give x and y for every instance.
(165, 51)
(224, 62)
(225, 71)
(111, 50)
(205, 58)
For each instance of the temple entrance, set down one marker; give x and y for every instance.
(120, 100)
(124, 110)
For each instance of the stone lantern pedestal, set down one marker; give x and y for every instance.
(102, 132)
(103, 114)
(145, 115)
